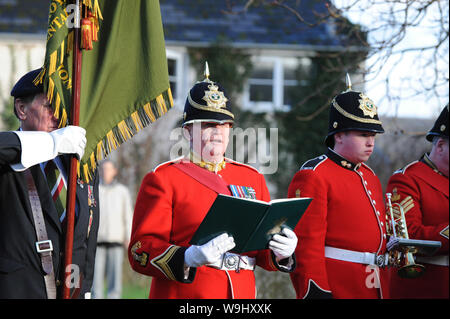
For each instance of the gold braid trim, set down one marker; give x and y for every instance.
(353, 117)
(444, 232)
(206, 108)
(162, 261)
(210, 166)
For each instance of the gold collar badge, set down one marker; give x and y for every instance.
(367, 106)
(346, 164)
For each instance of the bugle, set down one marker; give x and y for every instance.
(400, 247)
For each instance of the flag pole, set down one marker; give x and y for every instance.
(71, 187)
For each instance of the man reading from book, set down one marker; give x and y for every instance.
(176, 196)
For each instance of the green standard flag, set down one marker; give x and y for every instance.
(124, 78)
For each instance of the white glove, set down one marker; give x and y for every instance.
(69, 140)
(38, 146)
(209, 253)
(283, 245)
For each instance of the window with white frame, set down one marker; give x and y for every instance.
(174, 65)
(267, 86)
(261, 82)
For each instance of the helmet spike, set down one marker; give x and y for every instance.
(348, 82)
(206, 73)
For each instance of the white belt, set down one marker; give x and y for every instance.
(355, 256)
(434, 260)
(230, 261)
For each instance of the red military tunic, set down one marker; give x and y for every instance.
(347, 212)
(169, 208)
(423, 193)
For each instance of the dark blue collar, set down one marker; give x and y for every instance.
(426, 159)
(341, 161)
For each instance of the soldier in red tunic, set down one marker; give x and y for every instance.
(421, 188)
(176, 196)
(342, 239)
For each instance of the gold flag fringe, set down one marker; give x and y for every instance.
(125, 130)
(56, 60)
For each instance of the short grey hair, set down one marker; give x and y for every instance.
(437, 138)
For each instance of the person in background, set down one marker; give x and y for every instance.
(421, 188)
(113, 234)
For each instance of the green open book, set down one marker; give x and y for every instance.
(251, 222)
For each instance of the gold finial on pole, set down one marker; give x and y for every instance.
(348, 82)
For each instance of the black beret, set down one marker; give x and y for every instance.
(352, 111)
(25, 86)
(207, 102)
(440, 127)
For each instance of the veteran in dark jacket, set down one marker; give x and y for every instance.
(34, 165)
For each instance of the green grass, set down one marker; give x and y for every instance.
(130, 291)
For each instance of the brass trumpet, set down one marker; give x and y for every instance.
(400, 247)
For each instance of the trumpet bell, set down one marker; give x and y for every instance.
(411, 271)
